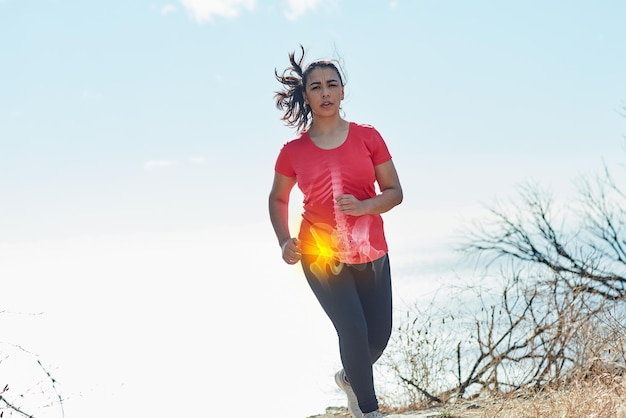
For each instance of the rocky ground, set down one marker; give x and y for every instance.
(469, 410)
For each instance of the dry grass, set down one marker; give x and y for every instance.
(603, 396)
(600, 397)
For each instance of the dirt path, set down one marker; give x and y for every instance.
(461, 411)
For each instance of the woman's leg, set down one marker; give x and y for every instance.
(375, 294)
(357, 299)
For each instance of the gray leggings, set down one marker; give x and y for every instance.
(358, 302)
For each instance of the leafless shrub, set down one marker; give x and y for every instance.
(556, 316)
(420, 357)
(27, 388)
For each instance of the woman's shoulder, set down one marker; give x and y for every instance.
(362, 126)
(297, 141)
(364, 130)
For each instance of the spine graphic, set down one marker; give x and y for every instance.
(343, 235)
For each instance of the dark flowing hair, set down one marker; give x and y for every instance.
(291, 98)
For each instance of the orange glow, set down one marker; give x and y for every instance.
(327, 248)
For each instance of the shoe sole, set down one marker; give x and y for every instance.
(345, 388)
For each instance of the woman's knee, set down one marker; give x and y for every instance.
(354, 332)
(378, 343)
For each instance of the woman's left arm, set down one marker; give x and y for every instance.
(390, 196)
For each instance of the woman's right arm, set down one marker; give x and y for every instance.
(279, 215)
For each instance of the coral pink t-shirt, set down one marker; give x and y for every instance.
(322, 175)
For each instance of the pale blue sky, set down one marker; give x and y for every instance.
(137, 143)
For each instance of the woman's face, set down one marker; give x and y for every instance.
(323, 91)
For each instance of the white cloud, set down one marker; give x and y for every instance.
(198, 160)
(393, 5)
(167, 9)
(154, 164)
(297, 8)
(205, 10)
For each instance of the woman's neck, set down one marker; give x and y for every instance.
(329, 135)
(324, 127)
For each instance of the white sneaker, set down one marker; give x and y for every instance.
(353, 403)
(374, 414)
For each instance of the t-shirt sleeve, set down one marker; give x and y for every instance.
(283, 164)
(378, 148)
